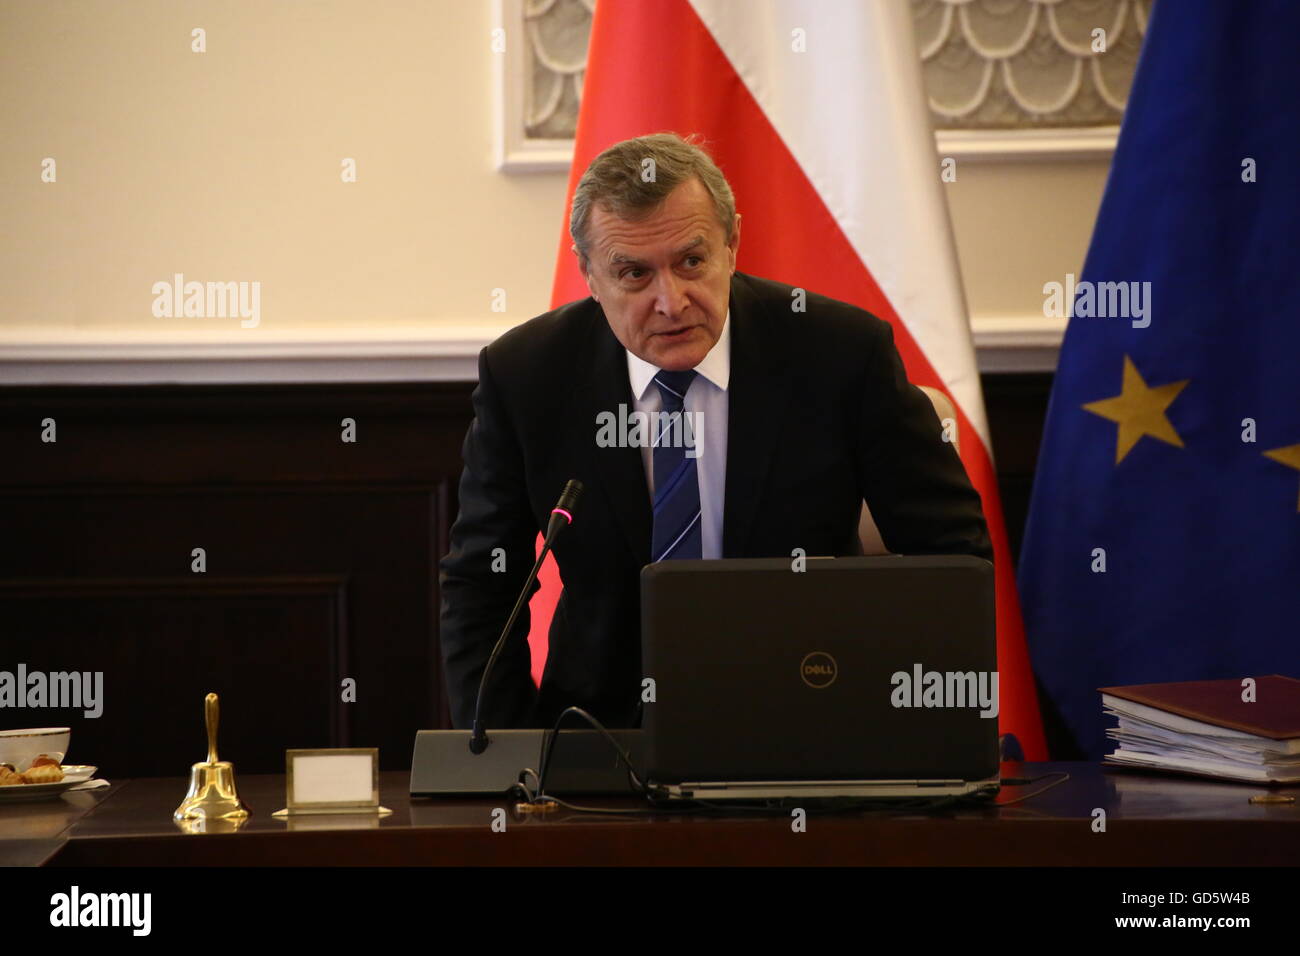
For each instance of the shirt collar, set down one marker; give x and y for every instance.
(716, 366)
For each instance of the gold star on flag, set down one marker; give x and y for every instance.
(1139, 410)
(1288, 455)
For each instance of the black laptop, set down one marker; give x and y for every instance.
(843, 677)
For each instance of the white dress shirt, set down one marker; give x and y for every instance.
(706, 402)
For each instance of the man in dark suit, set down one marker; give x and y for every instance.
(799, 411)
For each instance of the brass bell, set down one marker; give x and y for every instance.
(212, 793)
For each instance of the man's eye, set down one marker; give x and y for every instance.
(633, 273)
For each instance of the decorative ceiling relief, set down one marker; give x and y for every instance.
(1042, 77)
(1028, 64)
(557, 32)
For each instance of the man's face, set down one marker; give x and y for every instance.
(664, 281)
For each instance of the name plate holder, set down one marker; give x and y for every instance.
(332, 781)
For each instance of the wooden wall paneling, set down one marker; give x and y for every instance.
(269, 646)
(258, 475)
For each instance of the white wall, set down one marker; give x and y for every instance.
(225, 166)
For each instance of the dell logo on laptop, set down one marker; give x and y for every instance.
(818, 669)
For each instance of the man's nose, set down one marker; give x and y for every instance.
(670, 294)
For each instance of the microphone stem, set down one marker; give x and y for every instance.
(478, 741)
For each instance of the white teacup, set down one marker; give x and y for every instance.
(21, 747)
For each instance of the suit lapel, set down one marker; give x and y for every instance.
(758, 399)
(621, 471)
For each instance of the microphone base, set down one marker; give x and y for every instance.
(582, 762)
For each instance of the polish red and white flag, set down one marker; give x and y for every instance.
(815, 112)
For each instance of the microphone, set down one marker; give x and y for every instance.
(562, 513)
(561, 518)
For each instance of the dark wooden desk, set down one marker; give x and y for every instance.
(1151, 821)
(32, 832)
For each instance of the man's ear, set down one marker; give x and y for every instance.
(734, 244)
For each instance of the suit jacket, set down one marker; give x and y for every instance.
(820, 418)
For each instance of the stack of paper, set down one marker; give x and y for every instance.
(1214, 728)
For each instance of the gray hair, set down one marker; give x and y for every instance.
(616, 182)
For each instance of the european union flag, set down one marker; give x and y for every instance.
(1163, 541)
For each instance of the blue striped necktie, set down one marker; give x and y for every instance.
(677, 486)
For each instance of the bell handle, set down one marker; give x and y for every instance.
(210, 716)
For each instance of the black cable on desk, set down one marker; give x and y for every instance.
(548, 748)
(1017, 781)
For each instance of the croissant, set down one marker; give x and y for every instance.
(9, 778)
(44, 760)
(43, 774)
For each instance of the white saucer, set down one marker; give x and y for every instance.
(73, 774)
